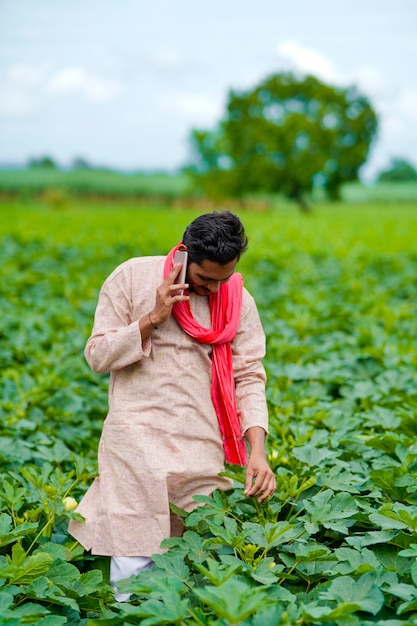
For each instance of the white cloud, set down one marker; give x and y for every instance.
(195, 108)
(77, 81)
(26, 87)
(308, 61)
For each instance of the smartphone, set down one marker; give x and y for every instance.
(181, 256)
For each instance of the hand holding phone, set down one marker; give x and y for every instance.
(181, 256)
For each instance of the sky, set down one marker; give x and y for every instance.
(121, 83)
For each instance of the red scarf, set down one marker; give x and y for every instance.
(225, 307)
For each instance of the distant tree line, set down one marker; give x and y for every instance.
(47, 162)
(398, 171)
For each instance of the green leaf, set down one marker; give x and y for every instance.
(178, 511)
(272, 534)
(216, 572)
(403, 591)
(311, 552)
(8, 535)
(29, 613)
(312, 456)
(23, 570)
(91, 581)
(13, 495)
(171, 609)
(354, 561)
(61, 572)
(371, 538)
(43, 589)
(226, 535)
(330, 511)
(190, 545)
(410, 551)
(338, 479)
(174, 566)
(267, 572)
(323, 614)
(155, 583)
(234, 600)
(389, 558)
(5, 523)
(6, 601)
(270, 615)
(363, 593)
(52, 620)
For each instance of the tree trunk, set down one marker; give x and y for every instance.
(304, 206)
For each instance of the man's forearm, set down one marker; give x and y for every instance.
(256, 438)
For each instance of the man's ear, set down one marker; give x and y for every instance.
(183, 247)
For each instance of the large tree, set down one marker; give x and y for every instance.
(286, 135)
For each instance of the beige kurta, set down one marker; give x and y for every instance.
(161, 441)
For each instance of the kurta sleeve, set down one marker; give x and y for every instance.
(248, 350)
(115, 341)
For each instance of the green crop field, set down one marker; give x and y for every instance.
(337, 543)
(57, 187)
(91, 182)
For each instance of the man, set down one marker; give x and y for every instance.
(187, 389)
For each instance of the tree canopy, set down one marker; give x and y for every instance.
(399, 170)
(286, 135)
(46, 162)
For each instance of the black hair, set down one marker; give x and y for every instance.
(217, 236)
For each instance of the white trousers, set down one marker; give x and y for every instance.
(122, 567)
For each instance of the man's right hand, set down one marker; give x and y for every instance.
(166, 296)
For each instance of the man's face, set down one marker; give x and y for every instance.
(207, 277)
